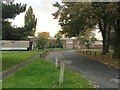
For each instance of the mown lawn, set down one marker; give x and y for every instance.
(12, 58)
(0, 85)
(42, 74)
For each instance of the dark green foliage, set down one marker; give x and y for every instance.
(19, 33)
(76, 18)
(117, 34)
(10, 33)
(11, 10)
(51, 45)
(30, 22)
(7, 30)
(59, 45)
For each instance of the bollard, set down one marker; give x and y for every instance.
(86, 51)
(90, 52)
(95, 53)
(40, 56)
(57, 62)
(62, 67)
(83, 52)
(102, 55)
(111, 56)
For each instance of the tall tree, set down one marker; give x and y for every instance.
(30, 22)
(10, 11)
(74, 17)
(103, 13)
(117, 33)
(58, 34)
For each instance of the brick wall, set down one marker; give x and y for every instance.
(74, 44)
(63, 40)
(64, 43)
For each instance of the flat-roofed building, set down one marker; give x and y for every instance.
(14, 45)
(70, 43)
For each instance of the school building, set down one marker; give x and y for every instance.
(69, 43)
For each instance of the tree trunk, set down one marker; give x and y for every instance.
(117, 35)
(104, 49)
(103, 31)
(108, 39)
(117, 40)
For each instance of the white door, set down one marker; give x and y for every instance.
(69, 44)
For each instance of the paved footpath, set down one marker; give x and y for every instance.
(100, 74)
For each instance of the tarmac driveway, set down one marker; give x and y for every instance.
(99, 74)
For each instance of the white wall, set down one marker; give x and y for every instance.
(14, 45)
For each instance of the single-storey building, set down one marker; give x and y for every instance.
(31, 43)
(14, 45)
(69, 43)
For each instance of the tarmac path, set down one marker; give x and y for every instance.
(98, 73)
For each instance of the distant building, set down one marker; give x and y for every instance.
(14, 45)
(95, 45)
(69, 43)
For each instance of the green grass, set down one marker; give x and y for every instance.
(42, 74)
(58, 49)
(0, 85)
(12, 58)
(0, 61)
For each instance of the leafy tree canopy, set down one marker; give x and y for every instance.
(11, 10)
(42, 41)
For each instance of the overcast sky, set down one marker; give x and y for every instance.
(43, 10)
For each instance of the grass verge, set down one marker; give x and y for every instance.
(42, 74)
(97, 55)
(12, 58)
(0, 85)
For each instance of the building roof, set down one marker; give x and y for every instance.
(62, 39)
